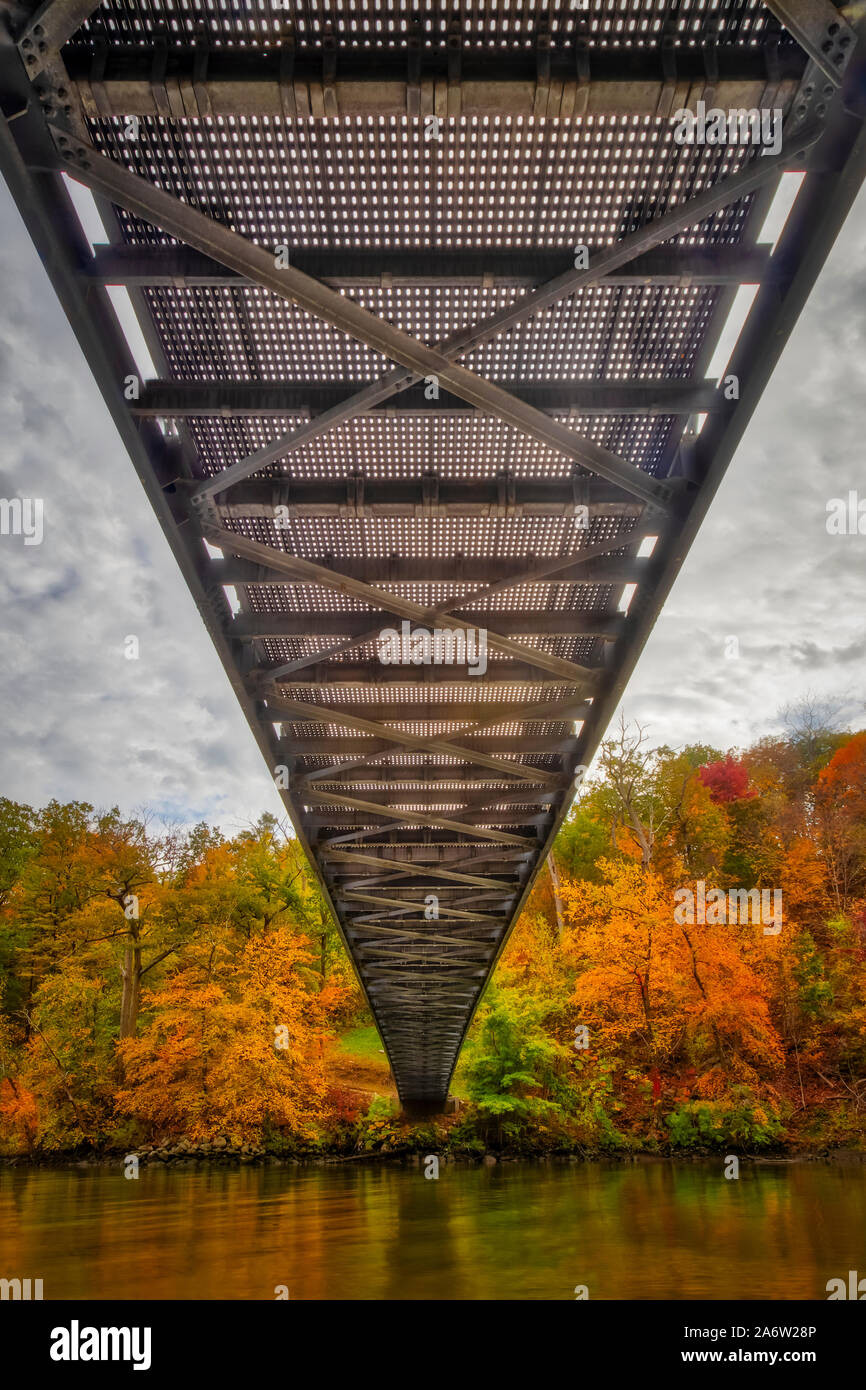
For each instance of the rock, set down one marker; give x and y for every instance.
(220, 1142)
(489, 1160)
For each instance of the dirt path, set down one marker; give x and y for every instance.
(360, 1074)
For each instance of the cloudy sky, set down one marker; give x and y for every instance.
(79, 721)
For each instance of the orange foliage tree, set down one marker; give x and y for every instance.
(667, 989)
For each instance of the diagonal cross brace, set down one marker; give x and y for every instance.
(549, 711)
(821, 30)
(406, 870)
(322, 714)
(449, 914)
(679, 219)
(50, 26)
(538, 572)
(162, 209)
(325, 714)
(308, 571)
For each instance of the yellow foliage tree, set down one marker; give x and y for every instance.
(231, 1046)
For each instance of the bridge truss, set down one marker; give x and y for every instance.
(431, 295)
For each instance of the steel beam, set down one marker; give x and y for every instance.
(243, 82)
(366, 749)
(357, 577)
(344, 675)
(511, 712)
(559, 566)
(261, 399)
(322, 816)
(352, 803)
(258, 627)
(179, 267)
(430, 495)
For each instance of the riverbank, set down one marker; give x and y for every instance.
(191, 1156)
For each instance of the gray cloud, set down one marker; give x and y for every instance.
(78, 720)
(763, 568)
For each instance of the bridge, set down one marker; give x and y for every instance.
(431, 294)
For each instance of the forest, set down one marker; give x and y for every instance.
(178, 991)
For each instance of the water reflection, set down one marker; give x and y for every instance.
(516, 1231)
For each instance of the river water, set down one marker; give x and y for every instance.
(364, 1231)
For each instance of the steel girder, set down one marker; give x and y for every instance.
(434, 786)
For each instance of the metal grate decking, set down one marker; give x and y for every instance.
(425, 408)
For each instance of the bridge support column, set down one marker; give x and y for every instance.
(424, 1109)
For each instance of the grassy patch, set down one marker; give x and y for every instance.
(363, 1043)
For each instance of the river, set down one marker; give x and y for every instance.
(367, 1231)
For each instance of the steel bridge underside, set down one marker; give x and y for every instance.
(389, 391)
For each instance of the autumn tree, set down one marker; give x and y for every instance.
(231, 1044)
(841, 818)
(649, 984)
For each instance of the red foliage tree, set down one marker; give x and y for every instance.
(727, 780)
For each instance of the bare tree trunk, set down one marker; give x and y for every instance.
(130, 1000)
(557, 900)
